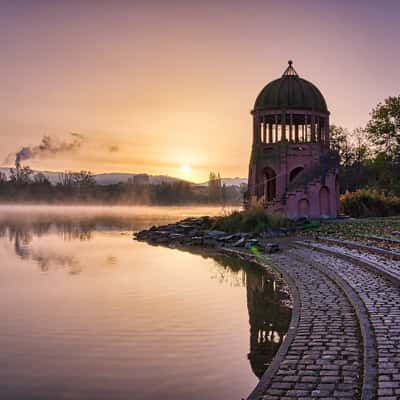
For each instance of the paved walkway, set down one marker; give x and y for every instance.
(382, 301)
(324, 359)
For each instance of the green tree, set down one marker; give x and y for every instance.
(340, 142)
(384, 128)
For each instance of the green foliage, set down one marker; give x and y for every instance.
(252, 220)
(384, 128)
(340, 142)
(369, 203)
(312, 225)
(370, 157)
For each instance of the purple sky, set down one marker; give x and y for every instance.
(168, 84)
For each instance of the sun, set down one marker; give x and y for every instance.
(185, 169)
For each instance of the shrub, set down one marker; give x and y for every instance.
(369, 203)
(253, 220)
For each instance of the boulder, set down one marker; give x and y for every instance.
(215, 234)
(271, 248)
(239, 243)
(176, 237)
(251, 242)
(209, 242)
(196, 241)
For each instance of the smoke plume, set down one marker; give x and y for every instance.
(49, 146)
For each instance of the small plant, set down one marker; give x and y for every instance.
(253, 220)
(312, 225)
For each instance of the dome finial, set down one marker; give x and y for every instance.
(290, 71)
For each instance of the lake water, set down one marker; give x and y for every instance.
(88, 313)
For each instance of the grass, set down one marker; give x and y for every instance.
(353, 229)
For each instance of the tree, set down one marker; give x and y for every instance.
(3, 177)
(84, 179)
(20, 176)
(66, 179)
(361, 146)
(41, 179)
(339, 139)
(214, 188)
(384, 128)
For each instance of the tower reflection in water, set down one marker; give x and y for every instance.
(268, 305)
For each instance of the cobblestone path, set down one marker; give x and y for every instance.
(386, 264)
(382, 300)
(324, 359)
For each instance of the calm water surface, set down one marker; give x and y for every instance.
(88, 313)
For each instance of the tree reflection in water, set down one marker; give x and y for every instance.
(21, 232)
(268, 300)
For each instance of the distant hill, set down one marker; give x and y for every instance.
(105, 178)
(112, 178)
(229, 181)
(122, 177)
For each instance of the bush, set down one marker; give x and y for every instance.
(369, 203)
(253, 220)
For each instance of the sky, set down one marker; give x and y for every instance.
(166, 87)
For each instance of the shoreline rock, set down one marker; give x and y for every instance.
(199, 232)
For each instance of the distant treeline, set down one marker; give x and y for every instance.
(23, 185)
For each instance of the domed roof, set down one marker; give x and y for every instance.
(290, 91)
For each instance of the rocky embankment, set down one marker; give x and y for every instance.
(200, 232)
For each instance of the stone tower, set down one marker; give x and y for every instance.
(292, 170)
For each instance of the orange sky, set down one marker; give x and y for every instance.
(168, 83)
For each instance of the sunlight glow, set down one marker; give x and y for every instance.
(185, 169)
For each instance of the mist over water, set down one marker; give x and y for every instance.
(88, 313)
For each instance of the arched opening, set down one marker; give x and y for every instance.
(294, 172)
(304, 208)
(269, 184)
(324, 204)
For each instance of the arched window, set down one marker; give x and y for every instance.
(295, 172)
(269, 184)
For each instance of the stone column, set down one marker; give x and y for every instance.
(327, 131)
(291, 128)
(319, 129)
(313, 128)
(256, 130)
(270, 139)
(276, 128)
(283, 127)
(263, 140)
(305, 133)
